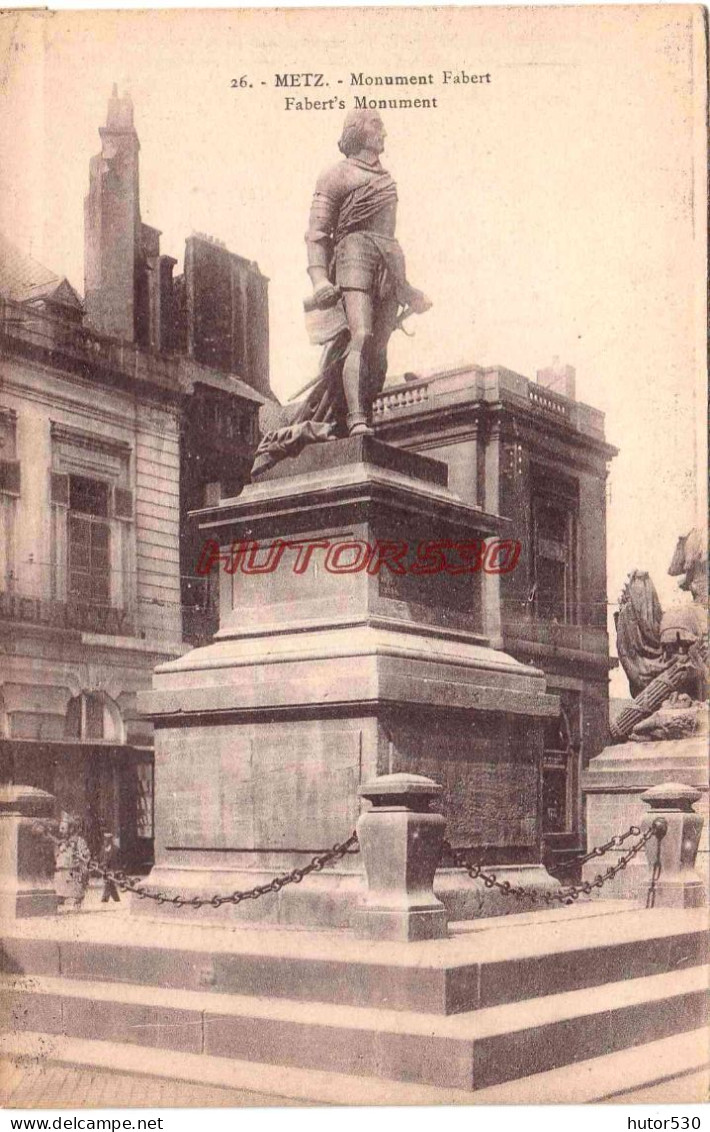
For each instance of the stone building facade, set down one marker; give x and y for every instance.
(527, 451)
(112, 424)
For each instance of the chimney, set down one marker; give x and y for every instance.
(227, 312)
(558, 379)
(112, 225)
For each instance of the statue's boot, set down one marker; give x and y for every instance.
(357, 425)
(354, 383)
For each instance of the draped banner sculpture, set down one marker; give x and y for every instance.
(665, 655)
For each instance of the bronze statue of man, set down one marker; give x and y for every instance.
(352, 251)
(360, 293)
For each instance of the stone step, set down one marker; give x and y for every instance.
(486, 963)
(691, 1088)
(667, 1070)
(465, 1051)
(42, 1084)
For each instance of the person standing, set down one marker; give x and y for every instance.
(71, 862)
(109, 847)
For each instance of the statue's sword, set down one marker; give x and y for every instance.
(314, 333)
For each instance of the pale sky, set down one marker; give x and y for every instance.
(557, 210)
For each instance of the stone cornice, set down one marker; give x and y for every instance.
(88, 408)
(91, 441)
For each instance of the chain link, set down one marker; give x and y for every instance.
(129, 884)
(599, 850)
(567, 894)
(662, 829)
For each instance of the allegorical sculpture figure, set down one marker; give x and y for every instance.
(665, 655)
(360, 292)
(638, 629)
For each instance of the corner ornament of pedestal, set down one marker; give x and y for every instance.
(671, 855)
(400, 841)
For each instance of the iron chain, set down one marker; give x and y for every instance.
(662, 829)
(567, 894)
(599, 850)
(129, 884)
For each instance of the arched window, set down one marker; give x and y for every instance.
(93, 716)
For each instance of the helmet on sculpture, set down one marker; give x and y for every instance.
(682, 626)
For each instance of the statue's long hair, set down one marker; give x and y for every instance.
(351, 139)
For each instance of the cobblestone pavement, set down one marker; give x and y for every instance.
(35, 1085)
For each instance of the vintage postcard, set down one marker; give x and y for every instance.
(353, 557)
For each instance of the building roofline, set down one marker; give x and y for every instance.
(440, 390)
(98, 357)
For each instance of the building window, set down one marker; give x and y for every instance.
(88, 496)
(144, 800)
(92, 538)
(555, 559)
(9, 465)
(10, 477)
(93, 716)
(10, 482)
(560, 767)
(89, 541)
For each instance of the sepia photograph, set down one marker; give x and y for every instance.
(353, 558)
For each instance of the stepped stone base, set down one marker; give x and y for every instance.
(17, 902)
(667, 1071)
(499, 1002)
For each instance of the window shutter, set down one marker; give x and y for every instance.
(60, 489)
(122, 503)
(10, 476)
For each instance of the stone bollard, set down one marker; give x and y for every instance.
(400, 842)
(26, 853)
(677, 884)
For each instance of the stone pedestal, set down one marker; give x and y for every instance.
(400, 842)
(26, 854)
(322, 678)
(671, 854)
(613, 786)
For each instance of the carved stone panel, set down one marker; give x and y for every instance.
(281, 786)
(488, 769)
